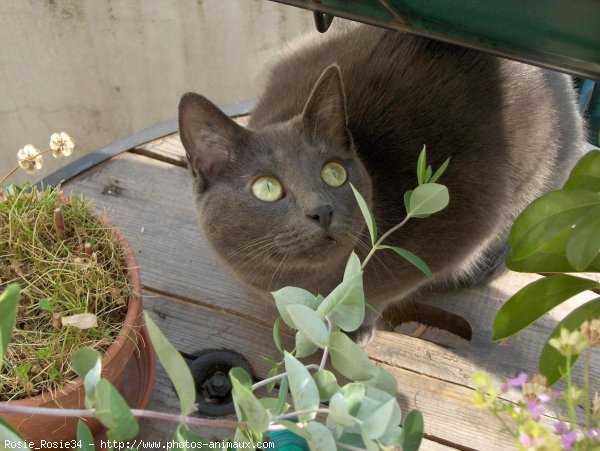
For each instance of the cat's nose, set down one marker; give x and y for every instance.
(322, 215)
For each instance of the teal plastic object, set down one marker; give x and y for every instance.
(287, 441)
(559, 34)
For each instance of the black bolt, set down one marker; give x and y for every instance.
(218, 386)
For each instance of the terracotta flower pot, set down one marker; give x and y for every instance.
(129, 364)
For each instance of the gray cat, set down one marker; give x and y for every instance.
(357, 105)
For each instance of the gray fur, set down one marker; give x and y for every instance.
(511, 129)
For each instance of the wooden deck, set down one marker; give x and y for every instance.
(200, 305)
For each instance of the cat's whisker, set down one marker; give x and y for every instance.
(256, 253)
(248, 245)
(276, 269)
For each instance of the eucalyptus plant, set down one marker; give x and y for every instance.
(360, 414)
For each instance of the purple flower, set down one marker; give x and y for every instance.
(535, 410)
(593, 433)
(568, 439)
(529, 442)
(556, 394)
(544, 398)
(560, 427)
(525, 440)
(517, 381)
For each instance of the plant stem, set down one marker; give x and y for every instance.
(15, 169)
(264, 382)
(381, 239)
(299, 412)
(49, 411)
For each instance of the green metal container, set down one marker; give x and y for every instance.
(558, 34)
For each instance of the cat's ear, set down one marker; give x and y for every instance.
(325, 111)
(208, 135)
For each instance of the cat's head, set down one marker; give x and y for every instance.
(277, 199)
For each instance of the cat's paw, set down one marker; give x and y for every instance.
(363, 335)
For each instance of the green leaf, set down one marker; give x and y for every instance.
(421, 163)
(277, 334)
(412, 431)
(339, 412)
(292, 295)
(378, 420)
(437, 174)
(586, 173)
(245, 439)
(584, 243)
(551, 257)
(552, 363)
(85, 437)
(547, 218)
(326, 384)
(187, 439)
(302, 387)
(8, 434)
(535, 300)
(174, 365)
(9, 301)
(407, 200)
(354, 395)
(367, 214)
(282, 404)
(113, 412)
(346, 303)
(428, 174)
(353, 266)
(348, 358)
(242, 376)
(249, 408)
(382, 380)
(87, 364)
(428, 199)
(412, 258)
(304, 347)
(274, 371)
(319, 437)
(309, 323)
(45, 304)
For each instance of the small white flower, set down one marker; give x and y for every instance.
(62, 144)
(30, 158)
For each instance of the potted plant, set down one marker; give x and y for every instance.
(80, 286)
(557, 235)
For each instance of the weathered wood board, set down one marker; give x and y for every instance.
(200, 305)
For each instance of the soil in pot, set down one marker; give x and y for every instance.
(68, 263)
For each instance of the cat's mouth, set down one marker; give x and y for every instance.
(312, 248)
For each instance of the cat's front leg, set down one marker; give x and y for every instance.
(364, 334)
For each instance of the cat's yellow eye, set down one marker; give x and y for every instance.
(268, 189)
(334, 174)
